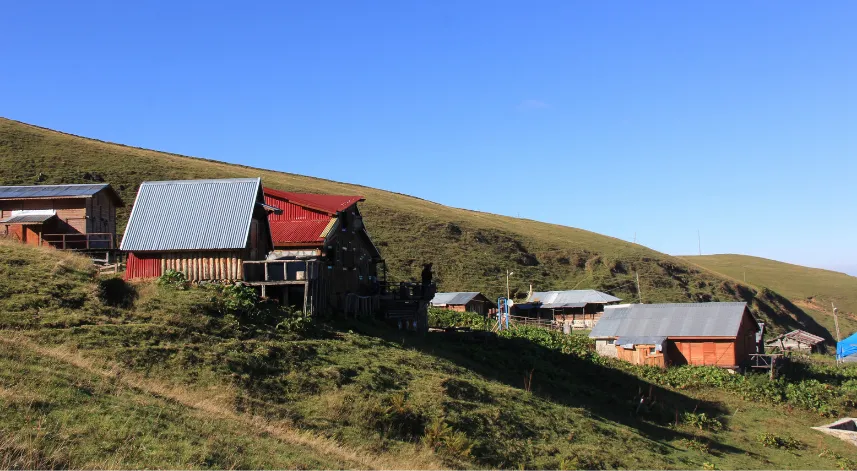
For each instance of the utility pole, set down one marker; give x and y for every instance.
(635, 237)
(508, 274)
(835, 320)
(639, 293)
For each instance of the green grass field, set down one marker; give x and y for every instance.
(470, 250)
(97, 373)
(811, 289)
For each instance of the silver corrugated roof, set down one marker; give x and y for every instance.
(51, 191)
(453, 298)
(570, 298)
(670, 320)
(192, 215)
(27, 219)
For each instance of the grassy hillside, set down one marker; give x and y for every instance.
(97, 373)
(811, 289)
(470, 250)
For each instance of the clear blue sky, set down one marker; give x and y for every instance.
(656, 118)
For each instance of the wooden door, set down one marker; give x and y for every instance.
(709, 353)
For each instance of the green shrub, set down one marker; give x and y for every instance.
(173, 279)
(772, 440)
(702, 421)
(445, 318)
(440, 437)
(577, 345)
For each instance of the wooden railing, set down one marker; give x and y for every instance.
(529, 321)
(280, 271)
(90, 241)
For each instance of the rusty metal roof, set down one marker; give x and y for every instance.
(670, 320)
(57, 191)
(192, 215)
(331, 204)
(312, 231)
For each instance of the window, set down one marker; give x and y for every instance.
(653, 351)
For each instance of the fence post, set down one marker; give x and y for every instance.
(266, 270)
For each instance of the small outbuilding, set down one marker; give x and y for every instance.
(68, 217)
(718, 334)
(795, 341)
(571, 309)
(471, 301)
(205, 229)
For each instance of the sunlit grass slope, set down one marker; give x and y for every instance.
(97, 373)
(811, 289)
(470, 250)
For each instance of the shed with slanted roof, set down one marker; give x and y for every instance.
(470, 301)
(718, 334)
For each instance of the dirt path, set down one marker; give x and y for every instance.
(219, 405)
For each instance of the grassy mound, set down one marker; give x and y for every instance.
(160, 376)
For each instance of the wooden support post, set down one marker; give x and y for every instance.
(264, 292)
(266, 272)
(306, 288)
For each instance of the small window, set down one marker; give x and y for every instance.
(653, 351)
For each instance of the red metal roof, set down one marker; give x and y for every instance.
(310, 232)
(331, 204)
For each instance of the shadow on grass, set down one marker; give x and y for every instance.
(606, 393)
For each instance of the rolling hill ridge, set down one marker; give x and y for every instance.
(470, 250)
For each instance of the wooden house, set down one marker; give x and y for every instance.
(73, 217)
(719, 334)
(463, 302)
(323, 257)
(571, 309)
(205, 229)
(796, 340)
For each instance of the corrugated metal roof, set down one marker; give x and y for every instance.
(801, 336)
(570, 298)
(670, 320)
(55, 191)
(295, 232)
(192, 215)
(328, 203)
(456, 298)
(27, 219)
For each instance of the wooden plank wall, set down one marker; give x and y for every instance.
(640, 355)
(702, 352)
(198, 266)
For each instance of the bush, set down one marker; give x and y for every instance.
(702, 421)
(445, 318)
(440, 437)
(173, 279)
(771, 440)
(577, 345)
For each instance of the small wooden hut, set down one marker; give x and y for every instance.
(463, 302)
(795, 341)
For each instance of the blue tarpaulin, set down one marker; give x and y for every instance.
(846, 349)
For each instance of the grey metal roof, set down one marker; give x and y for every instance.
(27, 219)
(192, 215)
(455, 298)
(798, 335)
(670, 320)
(570, 298)
(54, 191)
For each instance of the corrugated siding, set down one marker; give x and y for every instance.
(293, 232)
(671, 320)
(142, 266)
(291, 211)
(192, 215)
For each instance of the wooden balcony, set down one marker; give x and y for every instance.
(91, 241)
(280, 272)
